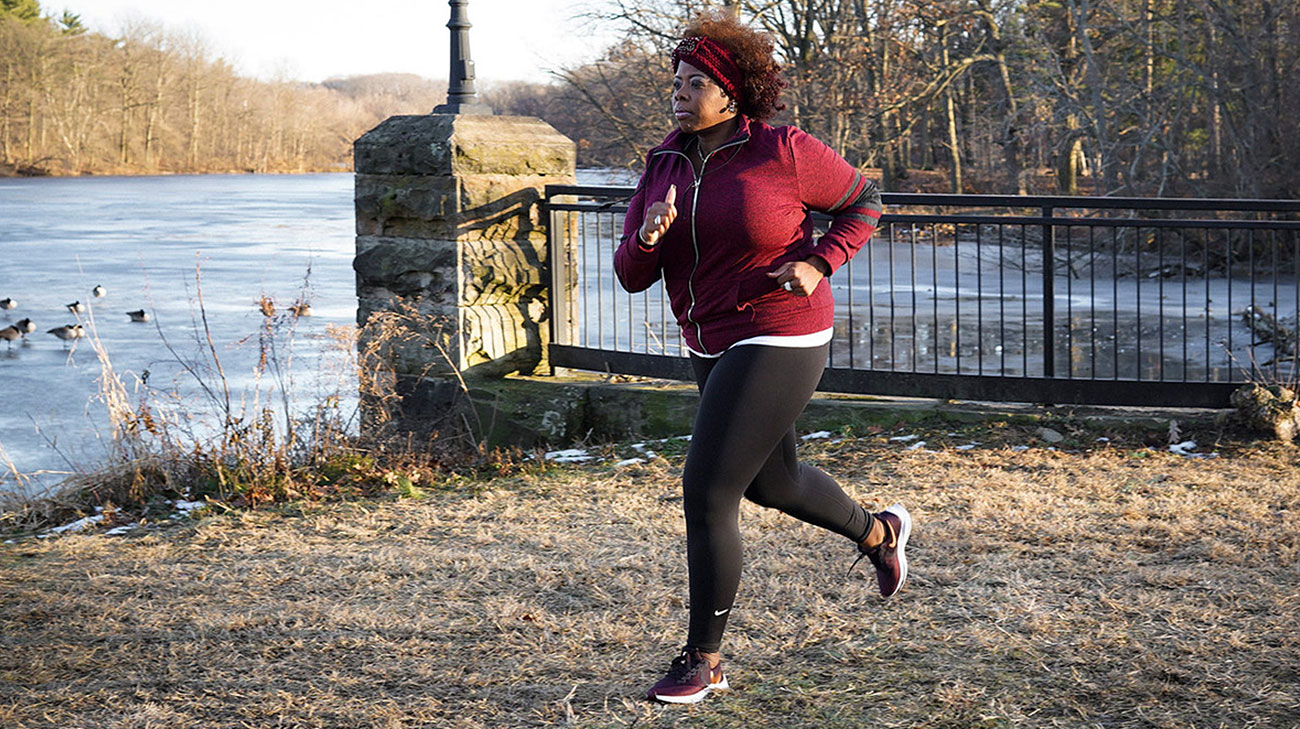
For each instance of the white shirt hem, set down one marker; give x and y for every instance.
(793, 341)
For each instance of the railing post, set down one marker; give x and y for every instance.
(1049, 294)
(559, 263)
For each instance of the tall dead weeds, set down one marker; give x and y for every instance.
(270, 444)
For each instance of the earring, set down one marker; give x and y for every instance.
(731, 107)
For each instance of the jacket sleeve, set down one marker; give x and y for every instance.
(636, 264)
(829, 184)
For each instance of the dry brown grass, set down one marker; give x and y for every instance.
(1114, 587)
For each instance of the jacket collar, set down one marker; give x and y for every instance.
(677, 140)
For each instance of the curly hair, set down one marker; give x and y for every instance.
(753, 53)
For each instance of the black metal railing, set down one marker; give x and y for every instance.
(1132, 301)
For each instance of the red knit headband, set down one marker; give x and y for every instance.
(712, 59)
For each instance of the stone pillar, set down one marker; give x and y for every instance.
(449, 222)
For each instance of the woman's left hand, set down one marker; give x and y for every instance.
(800, 277)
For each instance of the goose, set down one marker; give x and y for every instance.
(68, 332)
(99, 292)
(9, 334)
(7, 303)
(138, 315)
(302, 308)
(26, 326)
(76, 307)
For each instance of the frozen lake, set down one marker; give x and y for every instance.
(288, 238)
(291, 238)
(144, 239)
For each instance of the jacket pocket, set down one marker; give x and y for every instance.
(752, 289)
(712, 299)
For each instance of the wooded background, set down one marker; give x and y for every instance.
(1119, 97)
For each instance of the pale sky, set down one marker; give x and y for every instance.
(311, 40)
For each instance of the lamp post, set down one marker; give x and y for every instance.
(461, 96)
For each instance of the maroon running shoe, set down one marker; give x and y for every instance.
(689, 680)
(888, 557)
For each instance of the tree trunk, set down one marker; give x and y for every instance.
(192, 151)
(31, 129)
(1149, 72)
(1096, 87)
(1216, 113)
(122, 154)
(4, 113)
(152, 111)
(1067, 168)
(954, 147)
(1012, 143)
(950, 116)
(884, 141)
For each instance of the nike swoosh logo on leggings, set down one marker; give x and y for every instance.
(721, 612)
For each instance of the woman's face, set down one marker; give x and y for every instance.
(698, 101)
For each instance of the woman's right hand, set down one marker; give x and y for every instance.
(658, 217)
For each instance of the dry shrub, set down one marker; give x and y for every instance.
(266, 446)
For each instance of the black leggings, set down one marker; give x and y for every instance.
(743, 445)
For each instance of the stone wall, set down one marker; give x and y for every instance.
(448, 224)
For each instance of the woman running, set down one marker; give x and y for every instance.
(723, 215)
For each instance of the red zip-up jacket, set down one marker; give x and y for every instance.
(747, 213)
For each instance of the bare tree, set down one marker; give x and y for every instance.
(1169, 97)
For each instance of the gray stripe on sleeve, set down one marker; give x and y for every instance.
(857, 177)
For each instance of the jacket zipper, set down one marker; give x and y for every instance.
(695, 243)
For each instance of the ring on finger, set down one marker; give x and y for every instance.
(659, 220)
(787, 286)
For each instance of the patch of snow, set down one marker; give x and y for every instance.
(1185, 449)
(818, 434)
(903, 438)
(629, 462)
(75, 526)
(183, 508)
(571, 455)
